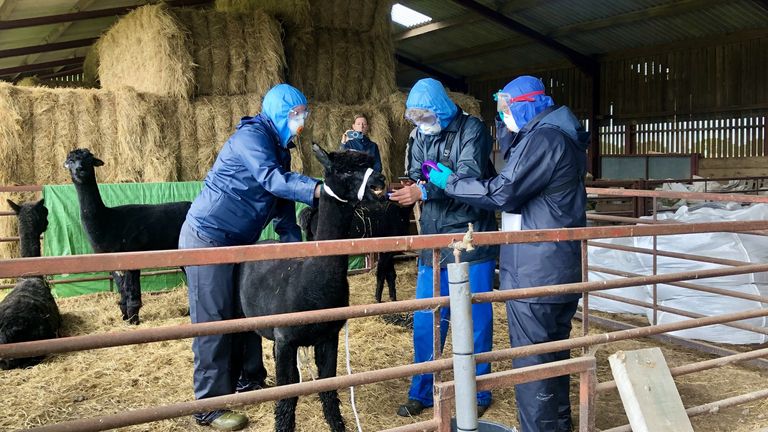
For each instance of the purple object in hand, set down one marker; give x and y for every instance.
(425, 168)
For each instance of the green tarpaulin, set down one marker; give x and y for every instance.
(65, 235)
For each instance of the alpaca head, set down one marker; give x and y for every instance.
(350, 176)
(80, 163)
(33, 218)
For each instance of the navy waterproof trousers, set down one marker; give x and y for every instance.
(225, 363)
(543, 406)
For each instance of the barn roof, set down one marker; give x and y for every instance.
(466, 39)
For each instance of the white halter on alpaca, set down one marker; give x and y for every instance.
(360, 191)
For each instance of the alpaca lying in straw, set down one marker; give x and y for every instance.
(292, 285)
(127, 228)
(29, 311)
(377, 219)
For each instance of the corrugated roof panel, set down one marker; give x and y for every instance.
(38, 8)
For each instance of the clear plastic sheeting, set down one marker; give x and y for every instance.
(732, 246)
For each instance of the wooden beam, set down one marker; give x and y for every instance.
(435, 26)
(41, 66)
(13, 52)
(455, 83)
(673, 8)
(648, 392)
(584, 62)
(476, 51)
(83, 15)
(762, 4)
(513, 6)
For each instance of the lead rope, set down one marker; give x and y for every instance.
(349, 372)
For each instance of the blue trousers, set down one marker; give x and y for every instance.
(543, 406)
(223, 363)
(481, 277)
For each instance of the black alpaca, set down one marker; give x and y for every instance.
(281, 286)
(127, 228)
(29, 311)
(380, 219)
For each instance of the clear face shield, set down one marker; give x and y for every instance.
(504, 101)
(426, 120)
(296, 118)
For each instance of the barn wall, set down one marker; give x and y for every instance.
(710, 99)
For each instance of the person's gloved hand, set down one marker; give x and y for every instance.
(439, 176)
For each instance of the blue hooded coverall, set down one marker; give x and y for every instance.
(543, 180)
(365, 145)
(249, 185)
(469, 155)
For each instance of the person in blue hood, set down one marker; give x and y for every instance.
(249, 186)
(357, 139)
(540, 187)
(445, 133)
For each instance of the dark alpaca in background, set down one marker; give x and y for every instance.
(126, 228)
(293, 285)
(371, 219)
(29, 311)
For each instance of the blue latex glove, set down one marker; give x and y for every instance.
(439, 177)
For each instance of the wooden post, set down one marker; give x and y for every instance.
(648, 392)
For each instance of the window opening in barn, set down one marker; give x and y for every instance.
(408, 17)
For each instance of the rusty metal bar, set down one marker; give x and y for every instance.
(695, 287)
(684, 256)
(146, 415)
(654, 290)
(29, 349)
(585, 295)
(640, 193)
(747, 327)
(700, 366)
(443, 407)
(587, 400)
(235, 254)
(436, 337)
(624, 219)
(21, 188)
(428, 425)
(673, 340)
(710, 408)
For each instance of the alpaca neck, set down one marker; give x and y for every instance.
(334, 218)
(89, 197)
(29, 244)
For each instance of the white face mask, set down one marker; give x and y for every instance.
(509, 121)
(295, 125)
(430, 129)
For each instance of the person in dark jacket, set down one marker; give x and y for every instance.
(357, 139)
(540, 187)
(249, 186)
(447, 134)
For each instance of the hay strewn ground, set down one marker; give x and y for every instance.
(78, 385)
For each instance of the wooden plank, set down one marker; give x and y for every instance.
(648, 392)
(728, 163)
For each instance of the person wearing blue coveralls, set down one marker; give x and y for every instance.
(357, 139)
(447, 134)
(540, 187)
(249, 186)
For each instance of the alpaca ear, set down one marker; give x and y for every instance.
(97, 162)
(40, 203)
(16, 208)
(321, 155)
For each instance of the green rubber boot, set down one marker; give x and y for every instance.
(230, 421)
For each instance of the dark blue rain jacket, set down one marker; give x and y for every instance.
(469, 156)
(249, 185)
(365, 145)
(544, 181)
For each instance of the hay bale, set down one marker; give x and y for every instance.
(368, 16)
(293, 14)
(341, 66)
(35, 81)
(190, 52)
(91, 67)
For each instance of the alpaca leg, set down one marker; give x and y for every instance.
(286, 373)
(381, 267)
(119, 278)
(326, 356)
(133, 293)
(391, 276)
